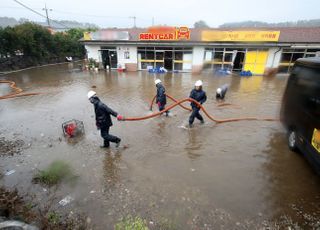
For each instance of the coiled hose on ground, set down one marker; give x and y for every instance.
(17, 91)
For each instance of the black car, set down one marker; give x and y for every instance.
(300, 111)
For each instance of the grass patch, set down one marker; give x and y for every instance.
(53, 218)
(54, 174)
(130, 223)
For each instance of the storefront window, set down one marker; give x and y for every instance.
(295, 56)
(289, 56)
(163, 48)
(178, 55)
(286, 57)
(172, 58)
(228, 57)
(159, 55)
(178, 66)
(142, 54)
(150, 55)
(218, 56)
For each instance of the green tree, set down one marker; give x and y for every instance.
(38, 45)
(35, 41)
(9, 42)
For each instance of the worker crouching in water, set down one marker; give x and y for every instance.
(200, 96)
(103, 120)
(221, 92)
(161, 98)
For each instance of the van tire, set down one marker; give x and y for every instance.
(292, 140)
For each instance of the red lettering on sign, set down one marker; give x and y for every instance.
(180, 33)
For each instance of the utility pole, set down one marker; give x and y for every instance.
(46, 9)
(134, 21)
(152, 21)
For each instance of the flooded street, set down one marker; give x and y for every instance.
(238, 175)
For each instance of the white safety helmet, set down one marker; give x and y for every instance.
(198, 83)
(157, 81)
(219, 91)
(91, 94)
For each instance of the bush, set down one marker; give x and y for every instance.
(30, 41)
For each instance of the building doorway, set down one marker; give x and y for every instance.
(168, 60)
(109, 58)
(105, 58)
(238, 62)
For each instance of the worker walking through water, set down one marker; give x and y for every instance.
(200, 96)
(221, 92)
(103, 119)
(161, 98)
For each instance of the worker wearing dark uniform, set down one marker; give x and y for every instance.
(221, 91)
(200, 96)
(103, 120)
(161, 98)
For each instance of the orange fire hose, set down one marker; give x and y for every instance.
(173, 99)
(202, 108)
(17, 91)
(187, 108)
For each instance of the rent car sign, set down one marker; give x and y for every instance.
(166, 33)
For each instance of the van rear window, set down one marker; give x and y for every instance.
(306, 83)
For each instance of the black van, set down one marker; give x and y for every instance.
(300, 110)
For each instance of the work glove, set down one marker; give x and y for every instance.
(120, 118)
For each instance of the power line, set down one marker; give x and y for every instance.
(88, 15)
(74, 13)
(36, 12)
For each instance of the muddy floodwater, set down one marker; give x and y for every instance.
(237, 175)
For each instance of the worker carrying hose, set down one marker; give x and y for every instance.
(161, 98)
(200, 96)
(103, 119)
(221, 92)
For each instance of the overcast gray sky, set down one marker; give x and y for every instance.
(116, 13)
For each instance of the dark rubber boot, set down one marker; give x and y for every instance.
(118, 143)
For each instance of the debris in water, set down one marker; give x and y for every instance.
(183, 127)
(10, 172)
(66, 200)
(92, 191)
